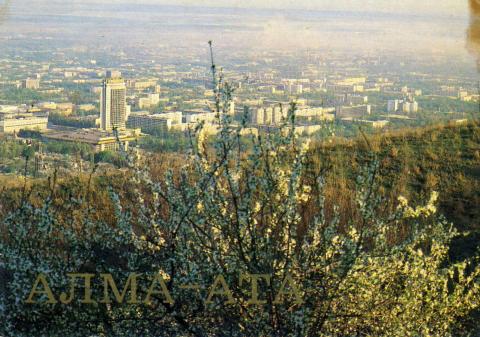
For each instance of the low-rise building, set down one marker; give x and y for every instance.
(358, 111)
(392, 105)
(65, 108)
(14, 119)
(148, 101)
(86, 107)
(410, 107)
(99, 140)
(315, 113)
(31, 83)
(145, 121)
(141, 84)
(275, 115)
(196, 116)
(374, 124)
(406, 106)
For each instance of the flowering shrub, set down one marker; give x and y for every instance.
(235, 209)
(222, 247)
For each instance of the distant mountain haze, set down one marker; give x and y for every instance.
(409, 26)
(450, 7)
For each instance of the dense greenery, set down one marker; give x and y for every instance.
(447, 104)
(161, 141)
(84, 150)
(114, 158)
(355, 256)
(75, 122)
(30, 134)
(10, 149)
(22, 96)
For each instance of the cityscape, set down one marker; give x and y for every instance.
(165, 136)
(71, 97)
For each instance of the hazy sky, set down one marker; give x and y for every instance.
(455, 7)
(85, 20)
(444, 7)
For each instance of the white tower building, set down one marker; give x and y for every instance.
(113, 105)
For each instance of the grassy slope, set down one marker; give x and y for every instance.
(413, 163)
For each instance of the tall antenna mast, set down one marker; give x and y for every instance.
(214, 78)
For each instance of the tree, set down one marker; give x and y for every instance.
(35, 134)
(76, 97)
(28, 152)
(109, 157)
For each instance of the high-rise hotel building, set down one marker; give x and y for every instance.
(113, 105)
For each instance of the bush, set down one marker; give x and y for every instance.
(235, 211)
(30, 134)
(110, 157)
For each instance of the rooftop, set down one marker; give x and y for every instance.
(91, 136)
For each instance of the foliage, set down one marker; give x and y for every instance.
(22, 96)
(70, 148)
(58, 119)
(110, 157)
(28, 152)
(231, 211)
(30, 134)
(159, 141)
(11, 149)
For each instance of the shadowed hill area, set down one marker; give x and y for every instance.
(412, 164)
